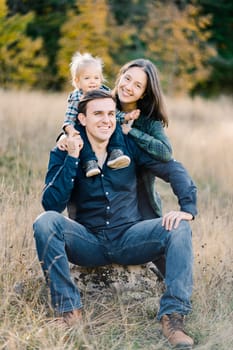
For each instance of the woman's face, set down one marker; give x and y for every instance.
(131, 87)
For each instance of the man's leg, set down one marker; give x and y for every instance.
(58, 241)
(145, 241)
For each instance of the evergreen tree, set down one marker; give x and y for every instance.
(221, 79)
(48, 19)
(20, 58)
(131, 17)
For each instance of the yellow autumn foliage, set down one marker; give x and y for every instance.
(85, 30)
(177, 42)
(20, 58)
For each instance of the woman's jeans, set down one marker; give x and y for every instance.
(60, 240)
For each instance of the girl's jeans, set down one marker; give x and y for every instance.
(60, 240)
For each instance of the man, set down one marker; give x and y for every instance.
(108, 227)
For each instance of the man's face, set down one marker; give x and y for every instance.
(100, 119)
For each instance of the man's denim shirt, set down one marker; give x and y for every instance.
(108, 202)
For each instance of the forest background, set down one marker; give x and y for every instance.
(189, 41)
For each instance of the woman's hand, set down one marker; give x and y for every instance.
(129, 119)
(126, 128)
(131, 116)
(173, 218)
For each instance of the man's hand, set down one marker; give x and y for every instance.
(62, 142)
(172, 219)
(74, 145)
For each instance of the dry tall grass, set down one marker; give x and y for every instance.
(201, 133)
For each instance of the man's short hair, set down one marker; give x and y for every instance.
(93, 95)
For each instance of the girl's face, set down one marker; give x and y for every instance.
(90, 78)
(131, 87)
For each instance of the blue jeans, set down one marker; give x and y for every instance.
(60, 240)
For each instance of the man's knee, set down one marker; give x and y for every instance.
(183, 233)
(185, 226)
(43, 222)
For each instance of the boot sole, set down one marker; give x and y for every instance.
(119, 163)
(93, 172)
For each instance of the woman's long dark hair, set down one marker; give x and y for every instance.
(152, 104)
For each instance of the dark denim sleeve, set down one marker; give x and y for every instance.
(59, 180)
(181, 183)
(183, 186)
(174, 173)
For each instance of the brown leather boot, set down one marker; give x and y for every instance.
(173, 330)
(73, 318)
(68, 319)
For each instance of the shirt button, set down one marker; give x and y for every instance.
(106, 193)
(108, 207)
(72, 180)
(76, 163)
(102, 175)
(107, 222)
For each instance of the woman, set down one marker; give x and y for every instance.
(138, 87)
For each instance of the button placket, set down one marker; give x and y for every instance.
(107, 210)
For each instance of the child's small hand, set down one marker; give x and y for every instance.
(74, 133)
(62, 143)
(71, 131)
(129, 119)
(126, 127)
(133, 115)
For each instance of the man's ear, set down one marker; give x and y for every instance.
(82, 119)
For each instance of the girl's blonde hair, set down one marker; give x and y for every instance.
(79, 61)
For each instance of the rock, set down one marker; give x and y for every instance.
(138, 278)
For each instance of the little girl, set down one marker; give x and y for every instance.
(86, 72)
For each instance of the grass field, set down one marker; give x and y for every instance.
(201, 133)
